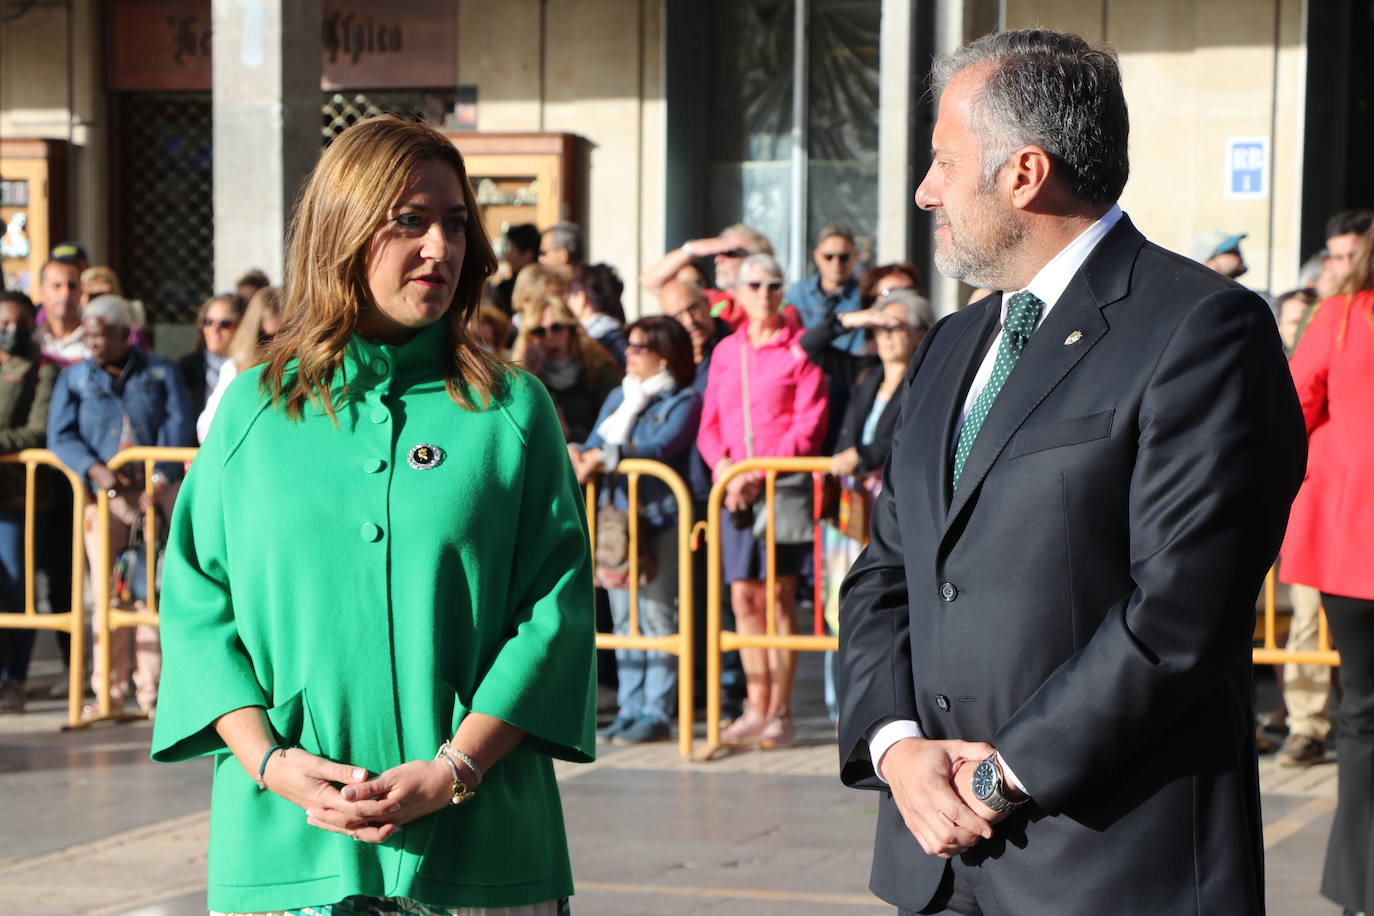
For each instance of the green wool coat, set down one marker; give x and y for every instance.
(369, 606)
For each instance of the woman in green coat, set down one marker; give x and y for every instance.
(377, 601)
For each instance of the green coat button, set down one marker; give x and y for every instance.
(380, 414)
(372, 465)
(379, 366)
(370, 532)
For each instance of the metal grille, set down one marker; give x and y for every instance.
(342, 110)
(165, 218)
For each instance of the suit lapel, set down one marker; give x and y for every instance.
(1049, 357)
(956, 375)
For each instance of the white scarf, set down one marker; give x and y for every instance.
(615, 429)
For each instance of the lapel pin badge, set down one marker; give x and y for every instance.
(424, 456)
(1073, 338)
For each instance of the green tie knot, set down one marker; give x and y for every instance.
(1023, 313)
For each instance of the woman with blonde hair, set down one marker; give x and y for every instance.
(377, 590)
(579, 372)
(260, 324)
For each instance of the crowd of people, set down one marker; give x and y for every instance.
(739, 366)
(82, 378)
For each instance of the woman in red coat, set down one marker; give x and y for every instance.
(1328, 547)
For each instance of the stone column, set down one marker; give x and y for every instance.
(266, 58)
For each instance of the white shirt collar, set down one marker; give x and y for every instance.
(1049, 284)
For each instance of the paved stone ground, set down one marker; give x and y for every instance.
(90, 826)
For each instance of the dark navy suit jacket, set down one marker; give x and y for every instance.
(1085, 600)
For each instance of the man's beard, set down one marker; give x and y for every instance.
(978, 254)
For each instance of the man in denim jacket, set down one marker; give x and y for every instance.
(121, 397)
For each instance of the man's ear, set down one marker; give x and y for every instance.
(1029, 174)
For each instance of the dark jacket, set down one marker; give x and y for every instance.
(579, 402)
(1084, 600)
(698, 474)
(26, 386)
(192, 369)
(863, 376)
(665, 431)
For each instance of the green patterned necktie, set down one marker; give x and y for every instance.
(1023, 313)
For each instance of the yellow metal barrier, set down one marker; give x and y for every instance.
(106, 618)
(73, 621)
(1271, 654)
(718, 642)
(679, 643)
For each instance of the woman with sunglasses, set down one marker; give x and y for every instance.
(577, 370)
(764, 398)
(653, 415)
(247, 348)
(218, 318)
(377, 612)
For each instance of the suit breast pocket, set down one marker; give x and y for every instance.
(1059, 433)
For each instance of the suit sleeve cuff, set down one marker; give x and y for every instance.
(887, 733)
(1010, 775)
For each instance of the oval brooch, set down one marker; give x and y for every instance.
(424, 456)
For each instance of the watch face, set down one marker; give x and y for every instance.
(984, 780)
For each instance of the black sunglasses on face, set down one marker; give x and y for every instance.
(538, 333)
(638, 348)
(844, 256)
(773, 285)
(223, 324)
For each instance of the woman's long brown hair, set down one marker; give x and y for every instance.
(1360, 278)
(358, 178)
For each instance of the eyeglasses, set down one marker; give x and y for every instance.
(756, 285)
(844, 256)
(558, 328)
(638, 348)
(223, 324)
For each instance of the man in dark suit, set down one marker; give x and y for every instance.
(1045, 650)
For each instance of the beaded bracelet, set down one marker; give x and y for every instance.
(471, 764)
(262, 767)
(460, 791)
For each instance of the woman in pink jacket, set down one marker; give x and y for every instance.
(764, 365)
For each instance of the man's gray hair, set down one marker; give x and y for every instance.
(835, 230)
(569, 236)
(757, 243)
(764, 262)
(1055, 91)
(113, 310)
(919, 312)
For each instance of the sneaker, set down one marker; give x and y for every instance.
(11, 697)
(608, 732)
(745, 729)
(1301, 751)
(777, 733)
(642, 731)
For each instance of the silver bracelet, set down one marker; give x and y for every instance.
(446, 749)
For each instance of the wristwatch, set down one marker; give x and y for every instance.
(990, 786)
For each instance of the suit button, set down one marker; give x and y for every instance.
(372, 465)
(942, 701)
(370, 532)
(948, 591)
(379, 366)
(380, 415)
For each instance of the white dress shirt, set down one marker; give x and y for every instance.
(1047, 285)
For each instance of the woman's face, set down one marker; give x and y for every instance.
(217, 327)
(895, 345)
(577, 302)
(760, 294)
(552, 335)
(640, 358)
(416, 254)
